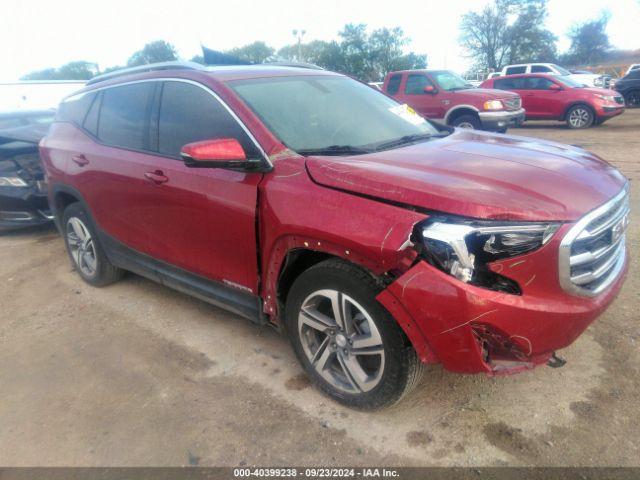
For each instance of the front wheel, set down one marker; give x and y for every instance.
(470, 122)
(632, 99)
(580, 116)
(350, 346)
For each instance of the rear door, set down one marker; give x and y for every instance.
(202, 220)
(109, 171)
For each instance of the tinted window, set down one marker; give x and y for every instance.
(394, 84)
(633, 74)
(124, 115)
(91, 120)
(516, 70)
(74, 108)
(189, 113)
(538, 83)
(540, 69)
(415, 84)
(511, 83)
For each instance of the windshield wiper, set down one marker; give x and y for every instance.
(406, 140)
(335, 150)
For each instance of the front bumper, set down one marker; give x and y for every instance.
(500, 120)
(609, 111)
(23, 207)
(475, 330)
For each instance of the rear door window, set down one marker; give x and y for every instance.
(516, 70)
(540, 69)
(189, 113)
(416, 83)
(124, 116)
(394, 84)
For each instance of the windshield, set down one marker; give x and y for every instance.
(569, 82)
(450, 81)
(560, 70)
(330, 114)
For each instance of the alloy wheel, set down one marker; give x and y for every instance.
(81, 246)
(579, 117)
(467, 125)
(341, 341)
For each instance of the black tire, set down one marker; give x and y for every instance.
(401, 368)
(632, 99)
(467, 121)
(580, 116)
(103, 272)
(501, 130)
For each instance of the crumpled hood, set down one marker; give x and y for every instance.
(480, 175)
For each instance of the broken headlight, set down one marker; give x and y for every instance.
(464, 248)
(12, 182)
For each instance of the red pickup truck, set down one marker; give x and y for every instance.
(445, 96)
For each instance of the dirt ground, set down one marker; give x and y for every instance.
(139, 375)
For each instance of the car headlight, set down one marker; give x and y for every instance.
(493, 105)
(607, 98)
(464, 248)
(12, 182)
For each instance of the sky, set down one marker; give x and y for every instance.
(37, 34)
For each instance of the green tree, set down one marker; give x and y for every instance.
(153, 52)
(79, 70)
(256, 52)
(507, 31)
(589, 42)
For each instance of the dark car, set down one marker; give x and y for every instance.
(629, 87)
(23, 191)
(304, 199)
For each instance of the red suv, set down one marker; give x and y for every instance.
(308, 201)
(446, 97)
(558, 97)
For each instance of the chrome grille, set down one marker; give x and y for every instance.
(592, 253)
(512, 103)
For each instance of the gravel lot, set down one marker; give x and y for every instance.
(137, 374)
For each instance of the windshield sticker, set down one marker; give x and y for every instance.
(408, 114)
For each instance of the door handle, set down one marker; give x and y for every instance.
(80, 160)
(156, 177)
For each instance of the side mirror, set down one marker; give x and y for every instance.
(555, 87)
(216, 153)
(430, 89)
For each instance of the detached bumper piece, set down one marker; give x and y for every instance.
(23, 207)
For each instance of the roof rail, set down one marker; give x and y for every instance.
(295, 64)
(147, 68)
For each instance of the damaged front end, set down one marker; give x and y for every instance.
(485, 296)
(23, 190)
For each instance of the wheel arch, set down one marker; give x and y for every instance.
(62, 196)
(459, 110)
(575, 104)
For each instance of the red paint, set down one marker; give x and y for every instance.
(553, 103)
(217, 149)
(435, 102)
(239, 227)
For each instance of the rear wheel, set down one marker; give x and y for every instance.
(580, 116)
(350, 346)
(84, 248)
(468, 121)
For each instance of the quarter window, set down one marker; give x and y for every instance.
(189, 114)
(91, 120)
(124, 116)
(74, 108)
(394, 84)
(516, 70)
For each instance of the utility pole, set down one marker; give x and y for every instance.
(299, 34)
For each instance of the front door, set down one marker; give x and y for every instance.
(202, 220)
